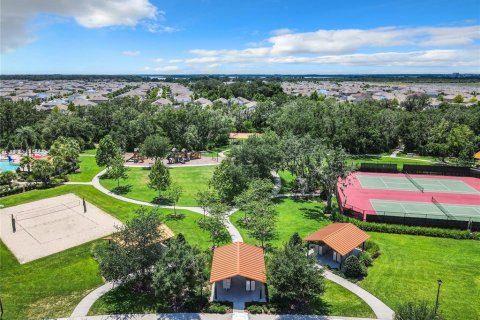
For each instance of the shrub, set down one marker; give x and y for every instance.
(416, 311)
(218, 307)
(414, 230)
(352, 268)
(372, 248)
(259, 307)
(365, 259)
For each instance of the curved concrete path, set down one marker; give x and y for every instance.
(381, 310)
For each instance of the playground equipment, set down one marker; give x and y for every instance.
(136, 157)
(182, 156)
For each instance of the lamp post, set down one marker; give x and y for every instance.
(438, 294)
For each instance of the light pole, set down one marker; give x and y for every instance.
(438, 294)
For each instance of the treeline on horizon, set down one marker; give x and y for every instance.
(368, 127)
(407, 78)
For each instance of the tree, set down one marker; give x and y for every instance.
(458, 99)
(132, 252)
(174, 192)
(179, 271)
(352, 268)
(215, 225)
(204, 198)
(155, 146)
(415, 102)
(296, 280)
(330, 170)
(26, 161)
(229, 180)
(159, 177)
(43, 170)
(419, 310)
(262, 226)
(107, 151)
(437, 142)
(461, 143)
(257, 190)
(64, 153)
(26, 137)
(117, 169)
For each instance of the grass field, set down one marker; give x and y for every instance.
(341, 302)
(89, 151)
(386, 159)
(409, 267)
(88, 169)
(191, 179)
(52, 286)
(293, 216)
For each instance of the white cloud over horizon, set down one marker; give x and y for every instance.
(131, 53)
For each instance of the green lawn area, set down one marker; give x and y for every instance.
(88, 169)
(89, 151)
(302, 216)
(213, 152)
(52, 286)
(409, 267)
(386, 159)
(341, 302)
(191, 179)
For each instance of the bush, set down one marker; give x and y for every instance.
(416, 311)
(218, 307)
(365, 259)
(259, 308)
(352, 268)
(418, 231)
(372, 248)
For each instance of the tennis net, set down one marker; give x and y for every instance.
(419, 187)
(439, 206)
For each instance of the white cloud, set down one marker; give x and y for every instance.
(175, 60)
(158, 60)
(16, 15)
(131, 53)
(281, 32)
(154, 27)
(167, 69)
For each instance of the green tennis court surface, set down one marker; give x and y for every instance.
(402, 183)
(426, 209)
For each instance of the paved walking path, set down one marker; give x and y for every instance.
(206, 316)
(381, 310)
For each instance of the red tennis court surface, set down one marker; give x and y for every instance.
(366, 192)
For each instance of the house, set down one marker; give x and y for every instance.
(203, 102)
(162, 102)
(238, 274)
(221, 100)
(335, 242)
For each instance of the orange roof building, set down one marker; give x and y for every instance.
(241, 135)
(238, 273)
(476, 156)
(337, 241)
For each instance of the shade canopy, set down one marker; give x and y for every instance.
(341, 237)
(238, 259)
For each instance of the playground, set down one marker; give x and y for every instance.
(38, 229)
(174, 158)
(380, 196)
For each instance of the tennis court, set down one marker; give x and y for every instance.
(41, 228)
(408, 183)
(427, 209)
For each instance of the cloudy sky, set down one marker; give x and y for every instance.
(248, 36)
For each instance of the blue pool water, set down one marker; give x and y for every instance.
(6, 166)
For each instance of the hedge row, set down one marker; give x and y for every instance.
(16, 190)
(420, 231)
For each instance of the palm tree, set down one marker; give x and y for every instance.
(26, 161)
(26, 137)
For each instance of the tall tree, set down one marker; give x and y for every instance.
(205, 198)
(174, 192)
(65, 153)
(155, 146)
(257, 190)
(107, 151)
(296, 280)
(159, 177)
(215, 225)
(117, 169)
(26, 137)
(43, 170)
(179, 273)
(263, 224)
(132, 252)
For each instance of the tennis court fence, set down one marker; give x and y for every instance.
(441, 170)
(414, 219)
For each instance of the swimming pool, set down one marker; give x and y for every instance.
(7, 166)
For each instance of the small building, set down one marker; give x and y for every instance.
(238, 274)
(162, 102)
(203, 102)
(221, 100)
(335, 242)
(476, 156)
(240, 135)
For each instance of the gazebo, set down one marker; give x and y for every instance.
(238, 274)
(334, 243)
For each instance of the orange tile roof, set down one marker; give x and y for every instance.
(341, 237)
(238, 259)
(477, 155)
(241, 135)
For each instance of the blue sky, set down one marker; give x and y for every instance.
(208, 36)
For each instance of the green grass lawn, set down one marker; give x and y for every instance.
(191, 179)
(88, 169)
(385, 159)
(409, 267)
(89, 151)
(300, 216)
(52, 286)
(214, 152)
(341, 302)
